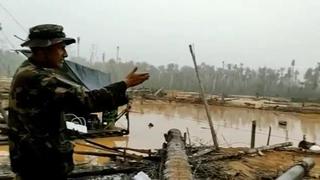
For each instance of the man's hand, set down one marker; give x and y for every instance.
(134, 78)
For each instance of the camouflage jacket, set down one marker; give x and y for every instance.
(38, 99)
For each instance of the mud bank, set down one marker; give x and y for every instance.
(250, 102)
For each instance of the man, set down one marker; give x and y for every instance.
(38, 99)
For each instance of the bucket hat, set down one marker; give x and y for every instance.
(45, 35)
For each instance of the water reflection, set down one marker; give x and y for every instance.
(94, 160)
(233, 125)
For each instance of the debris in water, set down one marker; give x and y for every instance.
(150, 125)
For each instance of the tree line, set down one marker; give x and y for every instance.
(227, 79)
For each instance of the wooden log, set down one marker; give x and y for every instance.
(111, 155)
(113, 149)
(277, 103)
(202, 152)
(226, 156)
(99, 172)
(102, 146)
(249, 104)
(264, 148)
(177, 166)
(250, 151)
(144, 151)
(157, 92)
(90, 153)
(299, 150)
(93, 147)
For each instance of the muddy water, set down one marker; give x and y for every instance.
(233, 125)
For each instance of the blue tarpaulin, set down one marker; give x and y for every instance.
(82, 75)
(88, 77)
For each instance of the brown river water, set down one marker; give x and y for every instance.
(232, 125)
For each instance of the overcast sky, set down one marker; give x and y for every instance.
(254, 32)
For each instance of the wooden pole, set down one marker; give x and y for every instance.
(111, 155)
(213, 133)
(189, 139)
(269, 134)
(253, 134)
(103, 146)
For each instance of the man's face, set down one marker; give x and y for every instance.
(55, 55)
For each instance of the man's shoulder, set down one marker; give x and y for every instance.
(27, 74)
(27, 70)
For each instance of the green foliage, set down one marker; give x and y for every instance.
(233, 79)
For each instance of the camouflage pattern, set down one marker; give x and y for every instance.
(45, 35)
(38, 99)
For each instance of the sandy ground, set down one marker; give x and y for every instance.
(252, 102)
(270, 164)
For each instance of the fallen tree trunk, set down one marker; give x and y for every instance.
(227, 156)
(264, 148)
(250, 151)
(298, 150)
(176, 164)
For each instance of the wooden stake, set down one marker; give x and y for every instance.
(213, 133)
(253, 134)
(189, 139)
(268, 142)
